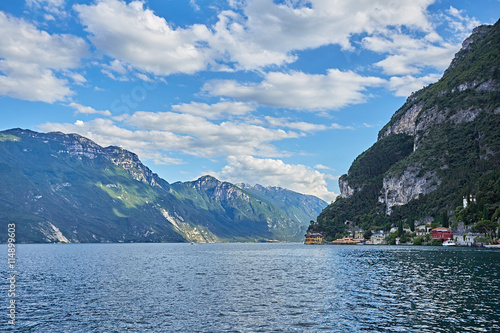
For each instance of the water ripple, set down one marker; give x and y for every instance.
(255, 288)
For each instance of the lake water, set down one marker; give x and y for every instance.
(252, 288)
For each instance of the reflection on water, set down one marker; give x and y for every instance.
(254, 288)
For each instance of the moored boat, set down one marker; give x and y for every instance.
(449, 242)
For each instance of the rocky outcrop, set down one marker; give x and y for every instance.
(52, 233)
(467, 45)
(400, 189)
(346, 191)
(130, 162)
(407, 122)
(220, 191)
(198, 234)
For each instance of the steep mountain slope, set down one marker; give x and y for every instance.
(232, 210)
(65, 188)
(442, 144)
(61, 187)
(296, 206)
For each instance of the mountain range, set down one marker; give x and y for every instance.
(442, 145)
(61, 187)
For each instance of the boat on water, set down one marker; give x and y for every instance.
(449, 243)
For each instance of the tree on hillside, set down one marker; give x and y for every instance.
(488, 227)
(445, 222)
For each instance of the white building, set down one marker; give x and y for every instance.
(471, 199)
(468, 240)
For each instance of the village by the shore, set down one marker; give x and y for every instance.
(428, 233)
(422, 235)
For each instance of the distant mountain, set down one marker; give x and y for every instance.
(441, 145)
(65, 188)
(296, 206)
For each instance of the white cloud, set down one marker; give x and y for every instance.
(322, 167)
(405, 85)
(55, 7)
(215, 111)
(297, 90)
(31, 58)
(135, 35)
(408, 55)
(157, 133)
(301, 126)
(31, 83)
(252, 35)
(116, 70)
(77, 78)
(208, 139)
(272, 172)
(266, 33)
(459, 22)
(88, 110)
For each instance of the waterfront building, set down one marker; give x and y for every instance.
(442, 233)
(359, 234)
(313, 238)
(378, 239)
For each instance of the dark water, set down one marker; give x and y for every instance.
(253, 288)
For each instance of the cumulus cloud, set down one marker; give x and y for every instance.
(88, 110)
(31, 58)
(408, 55)
(215, 111)
(405, 85)
(31, 83)
(298, 90)
(459, 22)
(263, 32)
(154, 132)
(135, 35)
(250, 35)
(274, 172)
(209, 139)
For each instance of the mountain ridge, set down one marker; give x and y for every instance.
(65, 187)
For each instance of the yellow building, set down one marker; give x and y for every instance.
(314, 238)
(348, 241)
(378, 239)
(359, 234)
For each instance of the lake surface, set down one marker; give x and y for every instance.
(252, 288)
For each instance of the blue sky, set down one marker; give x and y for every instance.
(283, 93)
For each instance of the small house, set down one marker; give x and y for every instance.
(378, 239)
(422, 230)
(442, 233)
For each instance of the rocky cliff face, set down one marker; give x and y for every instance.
(398, 190)
(418, 117)
(346, 191)
(130, 162)
(220, 191)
